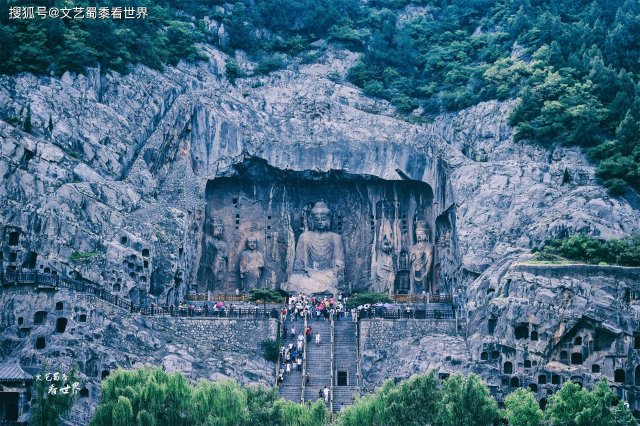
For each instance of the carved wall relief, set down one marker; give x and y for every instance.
(373, 218)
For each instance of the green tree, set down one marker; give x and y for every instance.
(466, 401)
(122, 413)
(49, 407)
(150, 396)
(367, 297)
(522, 409)
(574, 406)
(265, 296)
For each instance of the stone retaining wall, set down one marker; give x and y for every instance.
(222, 334)
(379, 333)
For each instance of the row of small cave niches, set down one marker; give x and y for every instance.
(40, 318)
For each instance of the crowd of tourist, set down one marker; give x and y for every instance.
(314, 308)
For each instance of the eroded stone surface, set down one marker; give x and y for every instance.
(121, 180)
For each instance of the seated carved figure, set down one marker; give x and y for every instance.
(319, 259)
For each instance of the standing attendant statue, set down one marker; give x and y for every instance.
(385, 267)
(421, 258)
(251, 265)
(220, 257)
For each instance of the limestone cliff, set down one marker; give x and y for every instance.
(111, 187)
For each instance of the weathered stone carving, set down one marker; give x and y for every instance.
(421, 258)
(213, 274)
(319, 260)
(385, 267)
(251, 265)
(403, 279)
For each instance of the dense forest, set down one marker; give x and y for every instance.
(572, 65)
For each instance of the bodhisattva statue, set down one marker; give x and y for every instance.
(219, 257)
(318, 266)
(385, 267)
(421, 258)
(251, 264)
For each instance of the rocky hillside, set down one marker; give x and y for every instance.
(109, 186)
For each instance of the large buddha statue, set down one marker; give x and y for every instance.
(318, 266)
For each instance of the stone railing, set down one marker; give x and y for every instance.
(422, 298)
(406, 314)
(10, 278)
(214, 297)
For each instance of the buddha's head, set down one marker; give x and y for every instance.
(321, 216)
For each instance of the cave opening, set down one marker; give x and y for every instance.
(274, 206)
(39, 317)
(61, 325)
(522, 331)
(576, 358)
(543, 403)
(40, 343)
(14, 238)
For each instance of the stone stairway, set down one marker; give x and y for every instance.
(291, 388)
(318, 360)
(345, 361)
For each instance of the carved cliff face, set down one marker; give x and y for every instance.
(277, 206)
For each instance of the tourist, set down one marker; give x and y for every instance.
(308, 333)
(325, 391)
(288, 368)
(299, 364)
(318, 338)
(293, 330)
(300, 345)
(307, 379)
(320, 394)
